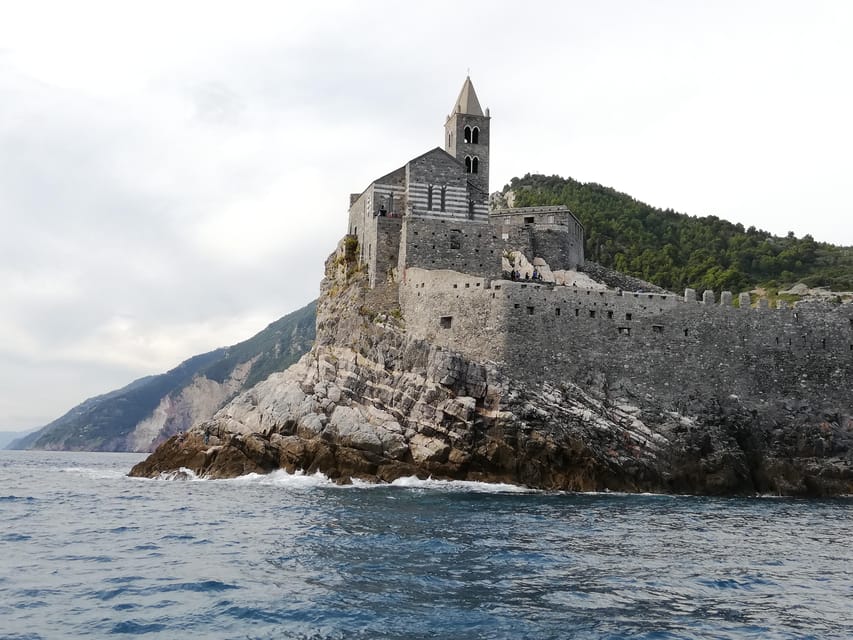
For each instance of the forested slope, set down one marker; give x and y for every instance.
(675, 250)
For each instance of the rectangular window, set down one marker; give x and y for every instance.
(446, 322)
(625, 331)
(628, 316)
(530, 311)
(610, 315)
(455, 239)
(557, 311)
(657, 328)
(529, 219)
(592, 313)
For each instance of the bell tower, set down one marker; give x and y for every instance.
(466, 138)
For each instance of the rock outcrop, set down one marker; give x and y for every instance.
(371, 402)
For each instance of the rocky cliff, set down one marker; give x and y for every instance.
(369, 401)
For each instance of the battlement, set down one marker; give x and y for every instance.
(648, 343)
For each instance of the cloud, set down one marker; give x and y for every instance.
(172, 176)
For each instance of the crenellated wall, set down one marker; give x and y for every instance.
(641, 345)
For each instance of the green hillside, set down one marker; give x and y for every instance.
(675, 250)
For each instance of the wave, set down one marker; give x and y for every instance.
(302, 480)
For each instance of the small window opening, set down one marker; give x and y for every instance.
(530, 311)
(467, 285)
(592, 313)
(529, 219)
(685, 332)
(625, 331)
(516, 306)
(455, 239)
(657, 328)
(446, 322)
(823, 343)
(577, 312)
(429, 198)
(443, 198)
(557, 311)
(475, 136)
(628, 316)
(610, 315)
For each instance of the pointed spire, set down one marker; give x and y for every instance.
(467, 101)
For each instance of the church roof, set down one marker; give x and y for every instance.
(467, 101)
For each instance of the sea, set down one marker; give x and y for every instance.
(87, 552)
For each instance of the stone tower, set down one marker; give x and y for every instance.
(466, 138)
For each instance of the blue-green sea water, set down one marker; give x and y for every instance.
(86, 552)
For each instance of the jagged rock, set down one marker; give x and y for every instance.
(371, 402)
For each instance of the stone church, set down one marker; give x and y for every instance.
(433, 212)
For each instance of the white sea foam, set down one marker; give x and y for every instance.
(300, 480)
(413, 482)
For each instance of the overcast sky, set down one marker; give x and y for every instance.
(173, 174)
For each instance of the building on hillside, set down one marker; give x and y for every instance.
(433, 212)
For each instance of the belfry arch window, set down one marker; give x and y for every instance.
(466, 135)
(475, 135)
(475, 165)
(467, 164)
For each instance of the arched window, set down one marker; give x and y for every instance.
(429, 197)
(467, 164)
(475, 135)
(467, 135)
(443, 197)
(475, 165)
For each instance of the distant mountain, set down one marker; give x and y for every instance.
(676, 250)
(149, 410)
(8, 437)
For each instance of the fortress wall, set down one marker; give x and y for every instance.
(431, 243)
(688, 351)
(556, 247)
(640, 345)
(454, 310)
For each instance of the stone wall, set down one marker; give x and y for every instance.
(640, 345)
(469, 246)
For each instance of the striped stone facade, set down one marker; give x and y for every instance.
(433, 212)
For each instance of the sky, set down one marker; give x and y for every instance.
(174, 174)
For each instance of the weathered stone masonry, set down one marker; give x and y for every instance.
(448, 257)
